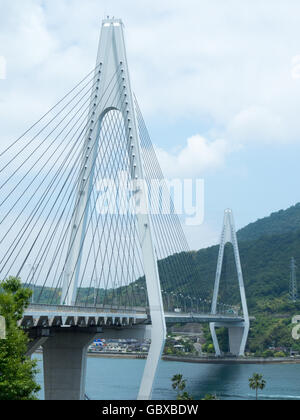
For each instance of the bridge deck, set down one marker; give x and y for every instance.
(174, 318)
(58, 316)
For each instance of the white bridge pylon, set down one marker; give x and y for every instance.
(112, 75)
(238, 334)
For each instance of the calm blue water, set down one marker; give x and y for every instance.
(118, 379)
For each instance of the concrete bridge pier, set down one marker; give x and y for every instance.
(65, 359)
(37, 337)
(238, 336)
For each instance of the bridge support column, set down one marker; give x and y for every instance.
(215, 339)
(38, 337)
(238, 336)
(65, 357)
(238, 333)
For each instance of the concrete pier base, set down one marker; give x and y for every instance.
(238, 336)
(213, 332)
(65, 358)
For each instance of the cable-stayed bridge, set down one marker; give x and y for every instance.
(89, 224)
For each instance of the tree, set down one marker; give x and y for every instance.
(17, 372)
(210, 397)
(257, 383)
(179, 384)
(280, 354)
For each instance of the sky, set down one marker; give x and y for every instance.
(218, 83)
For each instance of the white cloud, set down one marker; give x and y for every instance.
(218, 60)
(256, 124)
(197, 157)
(228, 63)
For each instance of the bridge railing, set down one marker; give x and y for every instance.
(87, 309)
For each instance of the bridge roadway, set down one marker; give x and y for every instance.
(74, 316)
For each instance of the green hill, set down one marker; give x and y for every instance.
(266, 249)
(283, 221)
(266, 267)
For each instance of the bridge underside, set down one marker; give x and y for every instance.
(65, 355)
(63, 316)
(65, 333)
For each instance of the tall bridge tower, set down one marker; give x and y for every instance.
(74, 207)
(112, 74)
(238, 334)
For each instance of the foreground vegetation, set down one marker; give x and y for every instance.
(179, 385)
(17, 372)
(257, 383)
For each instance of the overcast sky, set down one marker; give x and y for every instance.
(218, 83)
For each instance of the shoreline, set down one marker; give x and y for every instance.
(200, 360)
(118, 355)
(232, 361)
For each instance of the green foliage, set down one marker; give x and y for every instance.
(257, 383)
(13, 300)
(210, 397)
(168, 351)
(171, 350)
(280, 354)
(271, 331)
(222, 334)
(185, 396)
(179, 384)
(17, 372)
(267, 354)
(208, 348)
(283, 221)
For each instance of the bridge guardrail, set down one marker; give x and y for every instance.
(86, 309)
